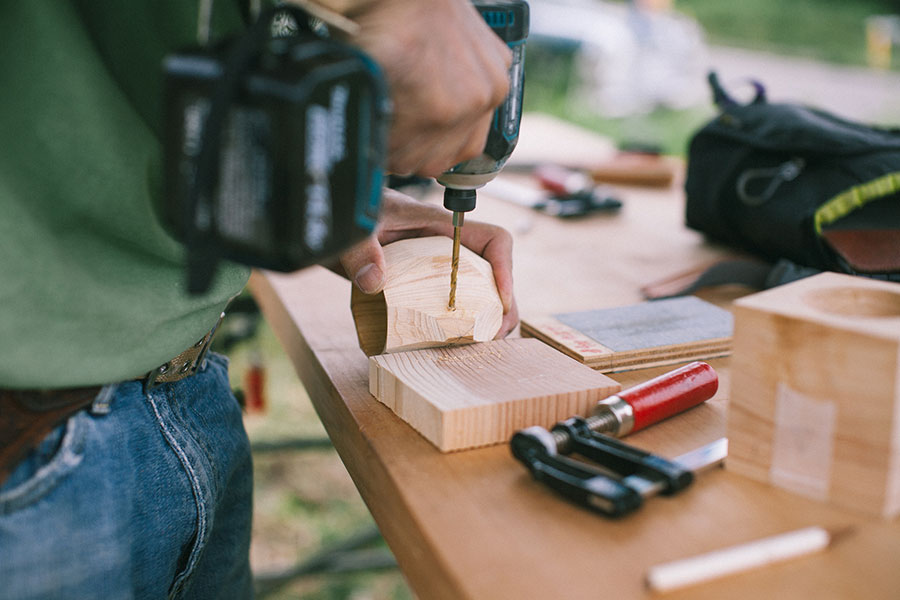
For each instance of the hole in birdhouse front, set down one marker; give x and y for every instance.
(856, 302)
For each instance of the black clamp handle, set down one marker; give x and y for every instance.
(624, 475)
(623, 459)
(575, 480)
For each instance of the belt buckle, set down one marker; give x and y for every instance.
(185, 364)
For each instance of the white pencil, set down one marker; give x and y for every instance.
(696, 569)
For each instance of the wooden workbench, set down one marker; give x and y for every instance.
(474, 524)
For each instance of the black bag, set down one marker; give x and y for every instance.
(785, 181)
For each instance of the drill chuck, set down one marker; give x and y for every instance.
(459, 200)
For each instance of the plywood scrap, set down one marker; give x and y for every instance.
(480, 394)
(640, 335)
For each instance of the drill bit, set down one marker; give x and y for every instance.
(458, 220)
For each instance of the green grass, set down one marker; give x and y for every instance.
(829, 30)
(550, 79)
(665, 129)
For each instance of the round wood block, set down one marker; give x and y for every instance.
(413, 310)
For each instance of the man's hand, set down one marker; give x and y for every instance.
(446, 70)
(401, 218)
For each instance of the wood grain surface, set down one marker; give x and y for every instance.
(647, 334)
(816, 405)
(480, 394)
(473, 524)
(412, 312)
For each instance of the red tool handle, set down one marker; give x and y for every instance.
(671, 393)
(562, 181)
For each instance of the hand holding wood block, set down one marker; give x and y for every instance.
(412, 312)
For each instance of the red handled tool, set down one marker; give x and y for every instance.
(562, 181)
(629, 474)
(574, 193)
(655, 400)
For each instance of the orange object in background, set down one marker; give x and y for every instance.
(636, 168)
(882, 32)
(255, 386)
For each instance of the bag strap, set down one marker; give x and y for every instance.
(856, 197)
(870, 247)
(723, 100)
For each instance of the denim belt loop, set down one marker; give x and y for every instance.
(102, 403)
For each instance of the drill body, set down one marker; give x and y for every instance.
(509, 19)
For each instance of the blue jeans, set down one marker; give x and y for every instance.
(140, 496)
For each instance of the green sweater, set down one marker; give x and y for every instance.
(91, 285)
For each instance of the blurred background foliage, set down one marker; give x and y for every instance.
(830, 31)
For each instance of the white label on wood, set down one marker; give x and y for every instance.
(803, 448)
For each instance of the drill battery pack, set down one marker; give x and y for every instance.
(273, 148)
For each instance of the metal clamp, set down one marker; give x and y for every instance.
(623, 476)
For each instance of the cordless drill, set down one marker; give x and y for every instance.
(509, 20)
(274, 146)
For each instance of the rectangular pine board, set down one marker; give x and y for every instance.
(642, 335)
(480, 394)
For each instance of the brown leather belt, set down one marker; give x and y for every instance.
(27, 416)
